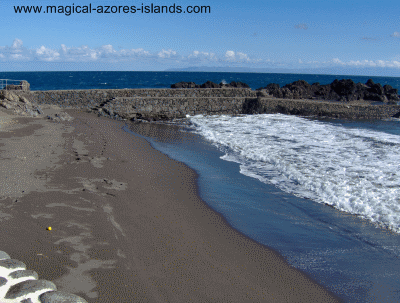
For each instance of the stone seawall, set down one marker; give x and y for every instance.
(166, 104)
(95, 97)
(172, 107)
(344, 110)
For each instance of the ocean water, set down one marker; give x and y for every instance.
(322, 192)
(110, 80)
(356, 170)
(258, 183)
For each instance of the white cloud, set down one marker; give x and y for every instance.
(47, 54)
(107, 48)
(243, 56)
(337, 61)
(368, 63)
(17, 57)
(166, 53)
(17, 43)
(85, 53)
(16, 52)
(198, 57)
(133, 52)
(230, 55)
(361, 63)
(239, 57)
(197, 54)
(108, 54)
(64, 48)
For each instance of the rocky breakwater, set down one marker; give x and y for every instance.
(22, 86)
(339, 90)
(183, 98)
(18, 101)
(340, 99)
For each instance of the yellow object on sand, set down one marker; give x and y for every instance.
(49, 228)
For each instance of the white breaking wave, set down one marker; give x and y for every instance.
(354, 170)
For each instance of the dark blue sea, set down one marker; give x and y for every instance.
(325, 193)
(114, 80)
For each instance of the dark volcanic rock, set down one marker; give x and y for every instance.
(387, 88)
(369, 83)
(376, 89)
(252, 106)
(344, 88)
(338, 90)
(324, 92)
(293, 111)
(237, 85)
(373, 97)
(210, 84)
(261, 94)
(391, 93)
(360, 91)
(287, 93)
(393, 98)
(273, 89)
(185, 85)
(299, 90)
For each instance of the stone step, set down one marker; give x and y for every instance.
(19, 285)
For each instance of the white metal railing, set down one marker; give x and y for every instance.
(10, 84)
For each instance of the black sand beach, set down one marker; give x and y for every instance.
(127, 222)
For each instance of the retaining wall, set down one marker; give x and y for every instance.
(165, 104)
(168, 108)
(328, 109)
(83, 98)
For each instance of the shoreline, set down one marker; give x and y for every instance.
(109, 219)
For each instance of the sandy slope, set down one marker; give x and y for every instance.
(127, 222)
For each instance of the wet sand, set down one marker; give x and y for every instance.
(127, 222)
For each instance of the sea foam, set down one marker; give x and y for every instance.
(353, 170)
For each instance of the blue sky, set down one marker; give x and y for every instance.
(348, 36)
